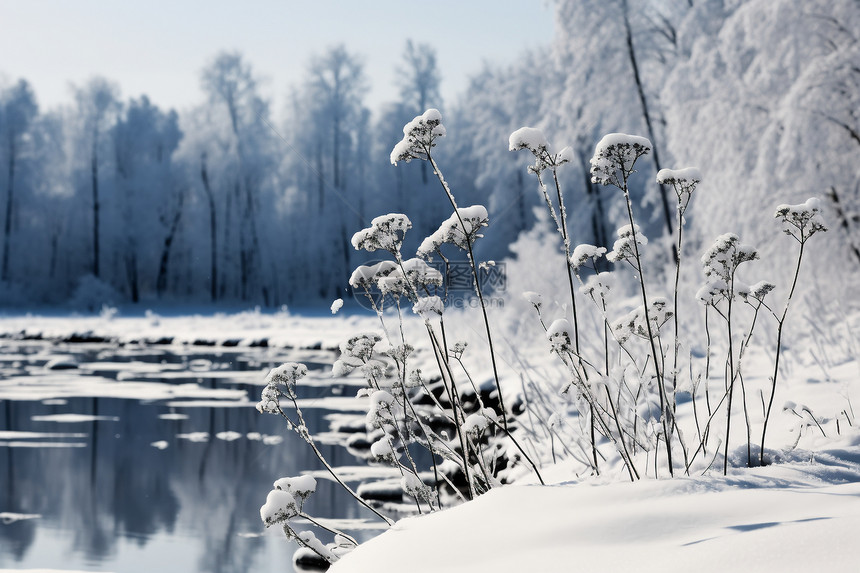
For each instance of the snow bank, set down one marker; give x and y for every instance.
(792, 517)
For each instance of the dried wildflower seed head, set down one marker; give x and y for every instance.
(429, 307)
(451, 231)
(803, 220)
(367, 276)
(385, 233)
(419, 136)
(560, 335)
(286, 374)
(615, 156)
(624, 247)
(583, 253)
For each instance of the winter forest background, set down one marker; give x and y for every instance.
(112, 198)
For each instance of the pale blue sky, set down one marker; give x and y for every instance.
(158, 47)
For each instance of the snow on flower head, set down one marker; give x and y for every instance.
(564, 156)
(712, 291)
(761, 289)
(419, 136)
(286, 374)
(382, 450)
(421, 274)
(616, 151)
(280, 381)
(598, 286)
(385, 233)
(534, 140)
(683, 181)
(413, 486)
(336, 305)
(477, 423)
(686, 176)
(534, 298)
(560, 335)
(723, 257)
(280, 506)
(719, 264)
(803, 220)
(529, 138)
(300, 487)
(366, 276)
(582, 253)
(355, 352)
(451, 231)
(635, 324)
(428, 307)
(624, 247)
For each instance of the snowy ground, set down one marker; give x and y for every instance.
(800, 514)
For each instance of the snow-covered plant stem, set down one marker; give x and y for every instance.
(476, 279)
(800, 222)
(730, 381)
(496, 424)
(620, 164)
(448, 382)
(565, 237)
(533, 140)
(280, 385)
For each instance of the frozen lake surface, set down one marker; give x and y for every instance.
(152, 457)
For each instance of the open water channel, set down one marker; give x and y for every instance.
(153, 458)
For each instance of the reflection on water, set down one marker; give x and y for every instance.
(111, 501)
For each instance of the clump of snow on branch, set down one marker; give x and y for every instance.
(382, 450)
(419, 137)
(478, 422)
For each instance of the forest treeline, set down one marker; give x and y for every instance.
(240, 199)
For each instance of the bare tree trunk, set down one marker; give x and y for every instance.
(96, 205)
(55, 244)
(647, 115)
(161, 281)
(243, 250)
(521, 200)
(844, 221)
(131, 273)
(213, 236)
(7, 227)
